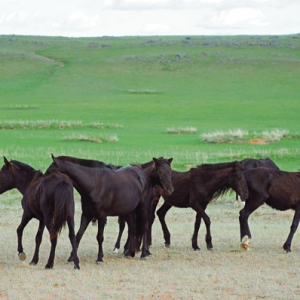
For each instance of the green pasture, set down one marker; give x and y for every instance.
(114, 98)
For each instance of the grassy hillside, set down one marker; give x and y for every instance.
(123, 94)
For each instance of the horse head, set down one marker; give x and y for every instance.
(238, 181)
(163, 172)
(7, 179)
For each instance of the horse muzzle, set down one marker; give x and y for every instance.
(169, 191)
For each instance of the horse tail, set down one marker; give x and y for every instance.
(63, 206)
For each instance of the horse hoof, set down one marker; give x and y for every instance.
(76, 267)
(210, 248)
(99, 262)
(245, 243)
(22, 256)
(145, 258)
(116, 250)
(49, 266)
(167, 245)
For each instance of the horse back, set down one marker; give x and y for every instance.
(120, 191)
(251, 163)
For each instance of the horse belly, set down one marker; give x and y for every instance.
(177, 199)
(281, 202)
(121, 205)
(284, 193)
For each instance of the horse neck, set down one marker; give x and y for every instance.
(151, 173)
(218, 177)
(81, 176)
(24, 180)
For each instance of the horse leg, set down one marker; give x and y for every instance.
(161, 213)
(294, 226)
(72, 238)
(250, 206)
(53, 240)
(121, 222)
(25, 219)
(196, 230)
(201, 214)
(38, 241)
(100, 238)
(84, 223)
(129, 248)
(144, 218)
(153, 206)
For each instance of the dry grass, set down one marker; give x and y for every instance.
(54, 124)
(242, 136)
(87, 138)
(178, 272)
(180, 130)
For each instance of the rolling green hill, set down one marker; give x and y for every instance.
(115, 99)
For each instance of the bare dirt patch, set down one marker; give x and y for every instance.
(258, 141)
(178, 272)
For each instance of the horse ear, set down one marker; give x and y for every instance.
(5, 160)
(54, 158)
(155, 161)
(170, 160)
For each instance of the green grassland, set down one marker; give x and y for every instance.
(134, 88)
(124, 100)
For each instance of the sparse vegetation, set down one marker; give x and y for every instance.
(86, 138)
(242, 136)
(39, 124)
(21, 107)
(54, 124)
(179, 130)
(143, 91)
(224, 136)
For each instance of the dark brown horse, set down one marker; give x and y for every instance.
(251, 163)
(48, 198)
(278, 189)
(120, 192)
(196, 188)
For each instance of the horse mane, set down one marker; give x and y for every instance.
(208, 170)
(28, 169)
(217, 166)
(144, 165)
(29, 172)
(88, 162)
(221, 192)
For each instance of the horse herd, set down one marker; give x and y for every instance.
(133, 192)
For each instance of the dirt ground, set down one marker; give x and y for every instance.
(178, 272)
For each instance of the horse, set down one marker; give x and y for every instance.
(251, 163)
(120, 192)
(278, 189)
(48, 198)
(85, 162)
(196, 188)
(156, 193)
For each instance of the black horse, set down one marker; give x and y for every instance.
(196, 188)
(157, 191)
(48, 198)
(251, 163)
(278, 189)
(106, 192)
